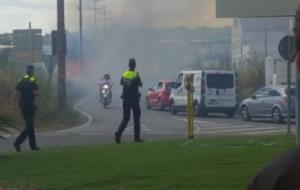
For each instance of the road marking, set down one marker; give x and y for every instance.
(195, 121)
(231, 127)
(267, 132)
(240, 131)
(207, 127)
(88, 123)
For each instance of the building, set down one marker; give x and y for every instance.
(27, 46)
(258, 36)
(276, 72)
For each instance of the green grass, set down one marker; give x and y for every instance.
(224, 163)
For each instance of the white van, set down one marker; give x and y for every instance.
(214, 92)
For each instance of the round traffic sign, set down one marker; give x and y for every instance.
(287, 48)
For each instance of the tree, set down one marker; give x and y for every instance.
(251, 75)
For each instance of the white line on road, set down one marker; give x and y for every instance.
(195, 121)
(88, 123)
(232, 127)
(266, 132)
(240, 131)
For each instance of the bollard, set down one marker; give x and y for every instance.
(188, 83)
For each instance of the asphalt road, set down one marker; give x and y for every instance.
(155, 124)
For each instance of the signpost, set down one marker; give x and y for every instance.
(61, 55)
(286, 49)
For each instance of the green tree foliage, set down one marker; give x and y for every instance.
(251, 76)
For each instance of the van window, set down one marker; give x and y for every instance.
(220, 81)
(180, 78)
(170, 85)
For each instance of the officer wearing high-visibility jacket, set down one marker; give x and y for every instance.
(131, 82)
(27, 89)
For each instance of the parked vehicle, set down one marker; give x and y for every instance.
(269, 102)
(214, 92)
(159, 95)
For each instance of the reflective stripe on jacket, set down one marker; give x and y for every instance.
(130, 75)
(28, 77)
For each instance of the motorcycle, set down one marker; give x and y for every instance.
(105, 95)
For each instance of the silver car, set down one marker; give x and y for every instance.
(268, 102)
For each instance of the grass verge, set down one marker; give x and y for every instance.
(223, 163)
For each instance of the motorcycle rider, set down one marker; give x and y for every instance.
(105, 81)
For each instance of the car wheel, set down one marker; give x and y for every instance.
(148, 104)
(277, 116)
(245, 116)
(173, 108)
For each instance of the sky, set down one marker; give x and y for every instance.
(156, 13)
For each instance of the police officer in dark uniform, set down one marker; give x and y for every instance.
(131, 82)
(27, 89)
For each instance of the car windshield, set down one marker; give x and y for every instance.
(292, 91)
(220, 81)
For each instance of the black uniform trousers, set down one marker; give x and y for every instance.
(28, 114)
(129, 105)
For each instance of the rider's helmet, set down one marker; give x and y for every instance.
(106, 76)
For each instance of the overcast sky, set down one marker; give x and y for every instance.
(157, 13)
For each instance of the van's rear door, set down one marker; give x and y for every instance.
(220, 89)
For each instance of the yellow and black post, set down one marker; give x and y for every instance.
(190, 115)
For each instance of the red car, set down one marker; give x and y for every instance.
(159, 95)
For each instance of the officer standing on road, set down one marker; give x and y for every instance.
(27, 89)
(131, 82)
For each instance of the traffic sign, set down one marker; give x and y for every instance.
(287, 48)
(50, 62)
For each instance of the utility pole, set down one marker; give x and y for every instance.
(30, 42)
(266, 42)
(95, 15)
(81, 35)
(61, 53)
